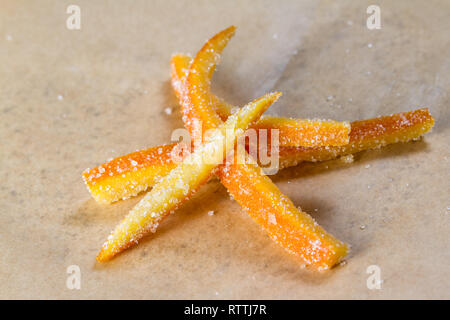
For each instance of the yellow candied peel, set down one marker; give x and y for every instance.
(183, 181)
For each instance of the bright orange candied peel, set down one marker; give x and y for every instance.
(126, 176)
(364, 135)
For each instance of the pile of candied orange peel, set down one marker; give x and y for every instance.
(174, 182)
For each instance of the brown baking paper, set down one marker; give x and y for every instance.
(71, 99)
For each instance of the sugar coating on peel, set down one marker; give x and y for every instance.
(292, 132)
(180, 64)
(176, 187)
(126, 176)
(364, 135)
(306, 132)
(294, 230)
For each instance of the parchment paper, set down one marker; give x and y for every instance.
(71, 99)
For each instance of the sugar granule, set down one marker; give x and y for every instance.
(347, 159)
(168, 111)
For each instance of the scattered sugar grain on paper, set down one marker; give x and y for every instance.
(168, 111)
(210, 213)
(8, 37)
(362, 227)
(369, 45)
(367, 166)
(60, 97)
(347, 159)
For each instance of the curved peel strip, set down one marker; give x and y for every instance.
(177, 186)
(292, 132)
(296, 231)
(179, 65)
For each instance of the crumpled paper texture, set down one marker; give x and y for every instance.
(73, 99)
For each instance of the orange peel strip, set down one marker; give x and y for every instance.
(126, 176)
(292, 132)
(364, 135)
(296, 231)
(178, 186)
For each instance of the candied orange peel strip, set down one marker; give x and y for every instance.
(292, 132)
(181, 182)
(296, 231)
(364, 135)
(126, 176)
